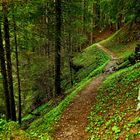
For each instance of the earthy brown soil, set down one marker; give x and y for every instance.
(74, 119)
(101, 35)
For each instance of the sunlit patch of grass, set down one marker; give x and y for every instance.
(90, 59)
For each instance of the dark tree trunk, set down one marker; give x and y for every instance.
(8, 58)
(4, 75)
(93, 25)
(58, 48)
(84, 16)
(70, 59)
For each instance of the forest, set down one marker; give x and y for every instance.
(69, 69)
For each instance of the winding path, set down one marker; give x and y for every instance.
(74, 119)
(113, 57)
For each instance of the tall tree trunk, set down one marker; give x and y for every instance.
(84, 17)
(70, 59)
(58, 48)
(48, 23)
(92, 24)
(8, 57)
(17, 72)
(4, 75)
(17, 65)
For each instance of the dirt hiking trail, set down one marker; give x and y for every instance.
(74, 119)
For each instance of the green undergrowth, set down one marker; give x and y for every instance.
(94, 60)
(114, 115)
(12, 131)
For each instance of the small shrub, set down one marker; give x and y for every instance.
(2, 123)
(116, 129)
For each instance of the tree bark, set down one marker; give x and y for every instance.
(17, 71)
(84, 17)
(58, 48)
(4, 75)
(8, 58)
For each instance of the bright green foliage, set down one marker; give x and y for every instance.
(10, 130)
(116, 129)
(89, 60)
(2, 123)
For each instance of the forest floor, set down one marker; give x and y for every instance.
(102, 35)
(74, 119)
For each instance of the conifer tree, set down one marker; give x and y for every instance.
(4, 75)
(58, 48)
(8, 59)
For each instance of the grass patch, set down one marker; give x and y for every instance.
(91, 58)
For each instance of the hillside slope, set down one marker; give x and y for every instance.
(93, 61)
(124, 41)
(114, 116)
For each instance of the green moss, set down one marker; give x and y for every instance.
(90, 59)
